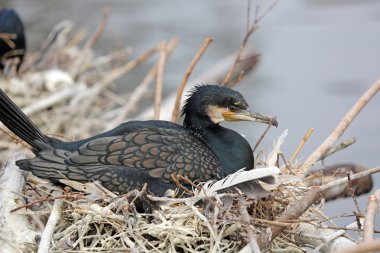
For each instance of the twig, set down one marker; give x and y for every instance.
(248, 14)
(227, 79)
(15, 138)
(53, 99)
(44, 246)
(304, 139)
(136, 96)
(296, 209)
(353, 177)
(243, 45)
(187, 180)
(56, 36)
(344, 123)
(141, 89)
(68, 196)
(246, 219)
(89, 97)
(349, 229)
(276, 223)
(101, 27)
(261, 138)
(353, 192)
(159, 80)
(369, 222)
(175, 178)
(265, 12)
(188, 72)
(341, 146)
(320, 238)
(361, 248)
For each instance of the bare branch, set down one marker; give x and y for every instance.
(344, 123)
(44, 246)
(364, 247)
(369, 222)
(188, 72)
(296, 209)
(160, 79)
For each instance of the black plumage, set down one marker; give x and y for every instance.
(139, 152)
(12, 38)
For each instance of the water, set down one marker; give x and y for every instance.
(318, 58)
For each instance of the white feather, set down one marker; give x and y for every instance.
(241, 176)
(272, 157)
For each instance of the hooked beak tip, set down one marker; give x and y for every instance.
(274, 122)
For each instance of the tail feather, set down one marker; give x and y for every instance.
(16, 121)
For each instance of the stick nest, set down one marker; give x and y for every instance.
(84, 103)
(139, 222)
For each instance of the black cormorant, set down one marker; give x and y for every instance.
(139, 152)
(12, 38)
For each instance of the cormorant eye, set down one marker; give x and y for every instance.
(233, 108)
(237, 103)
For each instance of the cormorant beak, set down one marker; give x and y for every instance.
(249, 115)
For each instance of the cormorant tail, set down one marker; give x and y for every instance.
(16, 121)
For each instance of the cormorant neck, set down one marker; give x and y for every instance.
(198, 125)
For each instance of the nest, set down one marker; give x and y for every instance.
(66, 82)
(79, 88)
(139, 222)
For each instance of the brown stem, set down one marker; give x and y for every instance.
(188, 72)
(159, 80)
(101, 27)
(261, 138)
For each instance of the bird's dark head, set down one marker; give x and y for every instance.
(211, 104)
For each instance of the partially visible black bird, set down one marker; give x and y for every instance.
(12, 38)
(139, 152)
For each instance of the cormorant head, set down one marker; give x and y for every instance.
(211, 104)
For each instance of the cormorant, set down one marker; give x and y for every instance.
(139, 152)
(12, 38)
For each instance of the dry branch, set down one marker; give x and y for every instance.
(373, 246)
(185, 78)
(250, 30)
(297, 208)
(321, 238)
(160, 79)
(15, 232)
(369, 222)
(344, 123)
(140, 91)
(102, 25)
(47, 235)
(53, 99)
